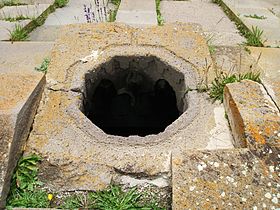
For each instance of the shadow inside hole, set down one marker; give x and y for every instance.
(139, 107)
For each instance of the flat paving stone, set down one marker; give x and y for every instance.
(137, 12)
(30, 11)
(72, 13)
(216, 25)
(270, 25)
(268, 60)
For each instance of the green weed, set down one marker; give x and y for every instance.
(159, 16)
(254, 38)
(113, 13)
(10, 3)
(61, 3)
(14, 19)
(23, 192)
(18, 34)
(217, 86)
(211, 47)
(110, 199)
(255, 16)
(29, 199)
(44, 66)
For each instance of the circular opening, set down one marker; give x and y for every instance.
(134, 96)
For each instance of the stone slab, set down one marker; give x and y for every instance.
(30, 11)
(137, 12)
(20, 94)
(225, 179)
(219, 29)
(80, 156)
(6, 27)
(254, 119)
(268, 60)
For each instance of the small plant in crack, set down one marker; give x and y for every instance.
(209, 42)
(159, 16)
(14, 19)
(18, 34)
(44, 66)
(254, 38)
(255, 16)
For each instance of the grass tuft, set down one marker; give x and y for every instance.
(219, 83)
(113, 13)
(254, 38)
(44, 66)
(110, 199)
(23, 192)
(18, 34)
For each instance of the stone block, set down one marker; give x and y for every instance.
(20, 94)
(253, 116)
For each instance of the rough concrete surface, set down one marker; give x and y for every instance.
(216, 25)
(226, 179)
(20, 95)
(254, 118)
(77, 154)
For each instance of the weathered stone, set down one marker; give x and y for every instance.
(81, 154)
(253, 116)
(225, 179)
(269, 62)
(234, 60)
(20, 93)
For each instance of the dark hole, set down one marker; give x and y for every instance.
(131, 111)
